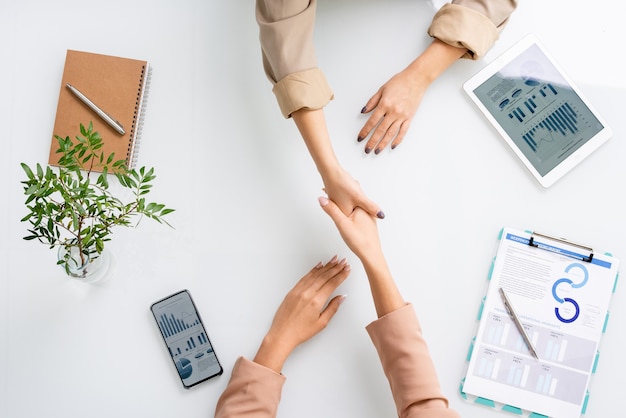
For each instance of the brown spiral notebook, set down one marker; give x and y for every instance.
(118, 86)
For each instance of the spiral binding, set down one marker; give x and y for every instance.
(138, 116)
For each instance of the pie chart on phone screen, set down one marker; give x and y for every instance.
(184, 368)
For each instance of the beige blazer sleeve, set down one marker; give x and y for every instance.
(252, 392)
(408, 366)
(472, 24)
(289, 61)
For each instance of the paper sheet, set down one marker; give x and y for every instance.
(562, 303)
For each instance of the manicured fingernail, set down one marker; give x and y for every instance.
(343, 261)
(360, 138)
(393, 146)
(323, 201)
(364, 109)
(377, 151)
(367, 150)
(319, 265)
(342, 298)
(380, 214)
(333, 260)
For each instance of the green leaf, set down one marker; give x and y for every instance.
(31, 190)
(155, 207)
(29, 172)
(99, 245)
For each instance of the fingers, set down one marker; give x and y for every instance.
(337, 215)
(328, 277)
(333, 211)
(335, 276)
(338, 273)
(372, 103)
(389, 130)
(382, 136)
(403, 130)
(325, 278)
(320, 283)
(374, 118)
(331, 309)
(373, 121)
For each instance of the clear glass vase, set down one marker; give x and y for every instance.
(88, 266)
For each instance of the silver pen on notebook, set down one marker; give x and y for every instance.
(518, 324)
(105, 116)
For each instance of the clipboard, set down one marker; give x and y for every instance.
(561, 291)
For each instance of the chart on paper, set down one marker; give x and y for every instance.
(563, 359)
(552, 345)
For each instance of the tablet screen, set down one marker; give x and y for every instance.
(538, 109)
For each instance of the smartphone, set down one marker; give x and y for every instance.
(186, 338)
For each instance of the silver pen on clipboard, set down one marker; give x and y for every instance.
(518, 324)
(105, 116)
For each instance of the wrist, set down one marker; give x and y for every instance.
(272, 353)
(330, 171)
(420, 72)
(375, 265)
(437, 57)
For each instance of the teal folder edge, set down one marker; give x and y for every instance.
(514, 410)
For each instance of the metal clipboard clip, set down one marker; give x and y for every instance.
(546, 247)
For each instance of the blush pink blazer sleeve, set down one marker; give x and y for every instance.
(255, 391)
(252, 392)
(408, 366)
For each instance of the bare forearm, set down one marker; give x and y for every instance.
(312, 127)
(435, 59)
(385, 293)
(272, 354)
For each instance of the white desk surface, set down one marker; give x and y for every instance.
(248, 225)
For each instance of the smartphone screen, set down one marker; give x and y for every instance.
(186, 338)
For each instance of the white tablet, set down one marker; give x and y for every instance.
(538, 110)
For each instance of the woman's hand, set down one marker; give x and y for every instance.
(304, 312)
(347, 193)
(395, 103)
(392, 109)
(358, 230)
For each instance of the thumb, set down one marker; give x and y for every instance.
(331, 309)
(331, 209)
(373, 209)
(372, 102)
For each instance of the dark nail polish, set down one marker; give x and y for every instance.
(367, 150)
(377, 151)
(364, 109)
(380, 214)
(393, 146)
(359, 139)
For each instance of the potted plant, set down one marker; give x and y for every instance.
(72, 208)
